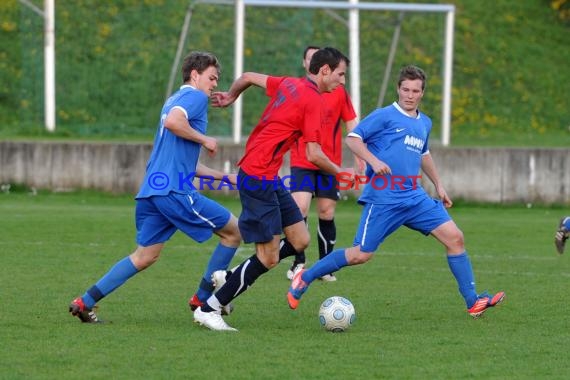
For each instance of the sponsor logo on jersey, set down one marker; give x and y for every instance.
(415, 143)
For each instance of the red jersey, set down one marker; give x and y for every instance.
(337, 107)
(294, 111)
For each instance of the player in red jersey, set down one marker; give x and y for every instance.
(268, 209)
(311, 181)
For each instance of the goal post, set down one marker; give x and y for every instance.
(374, 35)
(353, 6)
(48, 16)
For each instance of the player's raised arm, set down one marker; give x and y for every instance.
(224, 99)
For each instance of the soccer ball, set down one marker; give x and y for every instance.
(337, 314)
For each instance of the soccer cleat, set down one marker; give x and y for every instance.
(296, 290)
(219, 278)
(212, 320)
(296, 267)
(562, 234)
(78, 309)
(195, 302)
(484, 302)
(328, 278)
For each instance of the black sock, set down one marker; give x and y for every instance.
(327, 237)
(286, 249)
(248, 271)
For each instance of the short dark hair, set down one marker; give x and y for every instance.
(310, 47)
(412, 72)
(327, 56)
(199, 61)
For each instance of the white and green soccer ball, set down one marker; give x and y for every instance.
(337, 314)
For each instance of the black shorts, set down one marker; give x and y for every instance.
(267, 208)
(317, 182)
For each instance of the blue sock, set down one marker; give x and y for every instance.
(460, 266)
(220, 260)
(328, 264)
(115, 277)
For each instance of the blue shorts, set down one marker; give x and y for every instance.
(267, 208)
(378, 221)
(320, 184)
(158, 217)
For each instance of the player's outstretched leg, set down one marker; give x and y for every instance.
(562, 234)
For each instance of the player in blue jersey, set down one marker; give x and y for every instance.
(167, 201)
(394, 142)
(562, 234)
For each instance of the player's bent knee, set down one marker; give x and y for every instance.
(361, 259)
(355, 256)
(299, 238)
(232, 240)
(268, 260)
(144, 257)
(456, 241)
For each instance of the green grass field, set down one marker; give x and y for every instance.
(411, 321)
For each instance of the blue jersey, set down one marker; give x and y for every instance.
(173, 161)
(399, 140)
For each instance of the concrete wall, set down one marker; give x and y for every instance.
(503, 175)
(496, 175)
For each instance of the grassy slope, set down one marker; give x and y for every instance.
(509, 59)
(113, 63)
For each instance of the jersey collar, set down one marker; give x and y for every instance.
(312, 82)
(395, 104)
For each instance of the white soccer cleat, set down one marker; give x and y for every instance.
(219, 279)
(294, 270)
(328, 278)
(212, 320)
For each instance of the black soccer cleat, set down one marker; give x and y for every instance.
(78, 309)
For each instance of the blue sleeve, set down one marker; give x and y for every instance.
(369, 126)
(196, 106)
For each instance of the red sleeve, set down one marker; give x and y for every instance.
(272, 85)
